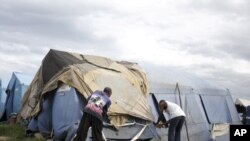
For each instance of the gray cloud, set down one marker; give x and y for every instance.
(226, 33)
(232, 37)
(43, 24)
(215, 30)
(238, 83)
(226, 8)
(237, 46)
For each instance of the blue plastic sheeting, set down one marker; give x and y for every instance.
(72, 130)
(66, 111)
(15, 90)
(248, 115)
(43, 122)
(61, 112)
(45, 126)
(2, 102)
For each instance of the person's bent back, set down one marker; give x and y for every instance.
(94, 112)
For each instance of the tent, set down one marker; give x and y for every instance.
(242, 102)
(65, 80)
(243, 107)
(209, 108)
(15, 91)
(206, 111)
(2, 100)
(61, 111)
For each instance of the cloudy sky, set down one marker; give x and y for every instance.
(208, 38)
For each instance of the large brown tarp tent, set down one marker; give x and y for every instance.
(86, 74)
(53, 109)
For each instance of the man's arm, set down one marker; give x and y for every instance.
(105, 112)
(105, 116)
(161, 118)
(161, 122)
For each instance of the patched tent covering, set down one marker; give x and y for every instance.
(89, 73)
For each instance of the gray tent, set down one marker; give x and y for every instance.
(206, 109)
(209, 109)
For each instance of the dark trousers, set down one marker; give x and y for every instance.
(87, 121)
(174, 132)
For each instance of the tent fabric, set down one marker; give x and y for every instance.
(65, 98)
(221, 100)
(43, 122)
(198, 129)
(248, 115)
(203, 108)
(219, 130)
(221, 113)
(2, 101)
(242, 102)
(61, 113)
(89, 73)
(63, 127)
(15, 91)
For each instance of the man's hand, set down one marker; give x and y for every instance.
(166, 124)
(161, 124)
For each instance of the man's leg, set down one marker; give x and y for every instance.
(178, 128)
(83, 128)
(96, 129)
(172, 128)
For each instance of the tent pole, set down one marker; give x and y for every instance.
(179, 93)
(155, 102)
(203, 106)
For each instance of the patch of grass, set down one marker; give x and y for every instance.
(14, 133)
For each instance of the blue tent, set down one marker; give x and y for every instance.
(2, 100)
(61, 112)
(15, 91)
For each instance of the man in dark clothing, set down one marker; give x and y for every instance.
(94, 112)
